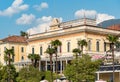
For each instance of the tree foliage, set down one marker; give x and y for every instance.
(82, 69)
(29, 74)
(34, 59)
(8, 72)
(112, 38)
(9, 53)
(56, 43)
(82, 43)
(77, 52)
(50, 51)
(24, 34)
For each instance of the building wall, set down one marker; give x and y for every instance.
(108, 76)
(17, 51)
(72, 38)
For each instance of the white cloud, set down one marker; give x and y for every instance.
(43, 24)
(103, 17)
(43, 5)
(44, 19)
(39, 28)
(93, 14)
(88, 13)
(25, 19)
(16, 7)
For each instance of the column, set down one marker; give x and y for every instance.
(53, 66)
(66, 62)
(46, 65)
(61, 65)
(39, 65)
(98, 76)
(119, 76)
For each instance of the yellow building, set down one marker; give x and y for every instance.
(69, 33)
(18, 44)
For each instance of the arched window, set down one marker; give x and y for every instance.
(97, 46)
(41, 50)
(59, 49)
(32, 50)
(68, 47)
(49, 46)
(22, 49)
(89, 45)
(22, 58)
(104, 46)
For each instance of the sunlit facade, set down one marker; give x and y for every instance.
(69, 33)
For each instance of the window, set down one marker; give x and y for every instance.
(22, 49)
(89, 45)
(32, 50)
(68, 47)
(97, 46)
(59, 49)
(49, 46)
(22, 58)
(41, 50)
(117, 45)
(104, 46)
(110, 46)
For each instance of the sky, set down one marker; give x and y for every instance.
(34, 16)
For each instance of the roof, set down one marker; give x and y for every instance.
(16, 39)
(115, 27)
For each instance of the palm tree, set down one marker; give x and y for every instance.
(55, 44)
(82, 43)
(112, 39)
(8, 54)
(77, 52)
(31, 57)
(24, 34)
(34, 58)
(50, 51)
(37, 58)
(7, 57)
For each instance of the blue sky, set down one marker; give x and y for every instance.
(34, 16)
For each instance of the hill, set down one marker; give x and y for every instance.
(108, 23)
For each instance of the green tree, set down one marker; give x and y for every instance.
(0, 71)
(8, 54)
(113, 40)
(50, 51)
(8, 74)
(24, 34)
(37, 58)
(34, 58)
(55, 44)
(29, 74)
(85, 71)
(77, 52)
(82, 43)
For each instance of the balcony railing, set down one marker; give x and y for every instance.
(109, 67)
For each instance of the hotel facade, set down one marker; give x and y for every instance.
(69, 33)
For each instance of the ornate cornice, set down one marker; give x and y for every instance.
(72, 30)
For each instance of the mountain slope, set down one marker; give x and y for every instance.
(108, 23)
